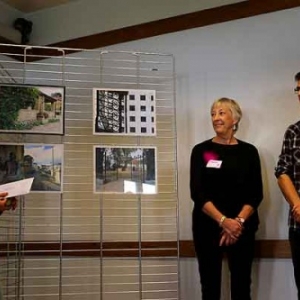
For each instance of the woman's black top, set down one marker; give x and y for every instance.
(227, 175)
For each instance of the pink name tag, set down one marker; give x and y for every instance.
(212, 163)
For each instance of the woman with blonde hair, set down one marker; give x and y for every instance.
(226, 187)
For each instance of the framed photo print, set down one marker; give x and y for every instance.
(125, 170)
(43, 162)
(124, 112)
(32, 109)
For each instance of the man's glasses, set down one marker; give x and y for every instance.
(297, 89)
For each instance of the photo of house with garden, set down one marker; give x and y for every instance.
(31, 109)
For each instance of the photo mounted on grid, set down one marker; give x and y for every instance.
(122, 169)
(32, 109)
(124, 112)
(43, 162)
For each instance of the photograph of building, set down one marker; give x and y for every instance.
(32, 109)
(129, 112)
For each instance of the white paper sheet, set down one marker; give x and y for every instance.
(17, 188)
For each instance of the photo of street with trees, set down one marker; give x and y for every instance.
(125, 170)
(42, 162)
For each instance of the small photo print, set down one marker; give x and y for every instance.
(125, 170)
(40, 161)
(124, 112)
(32, 109)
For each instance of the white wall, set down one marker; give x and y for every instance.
(7, 17)
(86, 17)
(8, 14)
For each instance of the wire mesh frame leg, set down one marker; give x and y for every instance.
(20, 246)
(60, 246)
(101, 247)
(101, 205)
(20, 251)
(139, 202)
(176, 182)
(61, 197)
(20, 270)
(20, 285)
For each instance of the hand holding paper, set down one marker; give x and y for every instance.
(17, 188)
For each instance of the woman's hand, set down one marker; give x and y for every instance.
(226, 239)
(232, 227)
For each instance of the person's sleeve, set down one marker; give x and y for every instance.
(196, 177)
(285, 160)
(255, 191)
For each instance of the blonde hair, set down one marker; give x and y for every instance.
(233, 107)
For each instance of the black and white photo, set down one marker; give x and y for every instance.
(124, 112)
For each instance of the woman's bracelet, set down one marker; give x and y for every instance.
(222, 220)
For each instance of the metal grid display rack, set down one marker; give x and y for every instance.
(78, 244)
(10, 256)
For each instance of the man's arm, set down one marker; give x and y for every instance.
(290, 194)
(288, 190)
(285, 170)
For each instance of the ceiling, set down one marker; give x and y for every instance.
(28, 6)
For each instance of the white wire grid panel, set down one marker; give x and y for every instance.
(10, 259)
(81, 245)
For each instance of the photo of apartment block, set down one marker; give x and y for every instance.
(126, 112)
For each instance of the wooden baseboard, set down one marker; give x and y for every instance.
(264, 249)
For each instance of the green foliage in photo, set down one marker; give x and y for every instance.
(12, 99)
